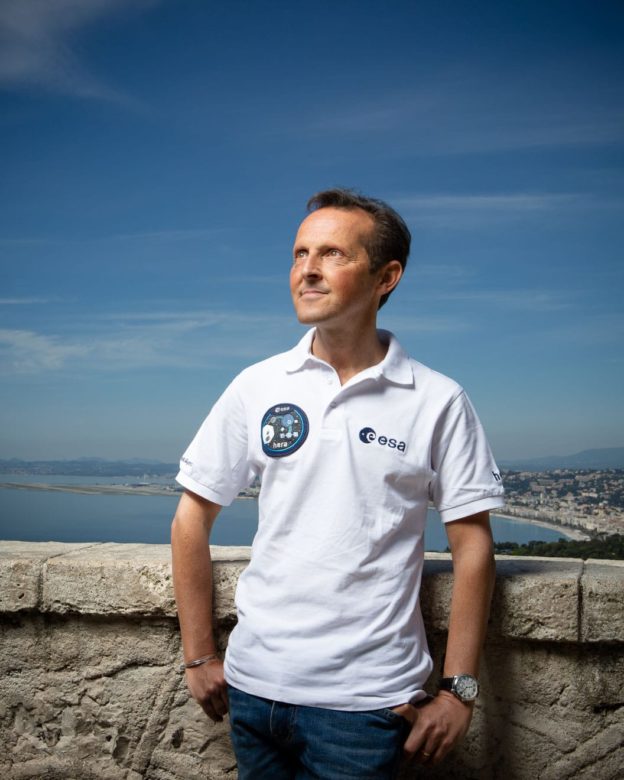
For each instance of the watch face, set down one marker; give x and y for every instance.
(466, 687)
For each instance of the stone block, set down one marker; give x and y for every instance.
(602, 612)
(130, 579)
(435, 591)
(20, 571)
(534, 598)
(107, 579)
(537, 598)
(227, 566)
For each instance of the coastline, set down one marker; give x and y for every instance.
(570, 532)
(122, 490)
(574, 534)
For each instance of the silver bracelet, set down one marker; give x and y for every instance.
(197, 662)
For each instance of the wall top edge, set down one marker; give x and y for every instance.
(111, 551)
(538, 599)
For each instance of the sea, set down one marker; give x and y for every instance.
(52, 516)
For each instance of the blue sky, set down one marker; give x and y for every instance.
(156, 158)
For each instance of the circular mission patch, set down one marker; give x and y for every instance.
(284, 429)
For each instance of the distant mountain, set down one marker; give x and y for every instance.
(610, 458)
(90, 467)
(606, 458)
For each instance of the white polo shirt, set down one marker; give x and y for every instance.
(328, 611)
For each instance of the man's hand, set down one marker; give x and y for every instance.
(436, 727)
(207, 686)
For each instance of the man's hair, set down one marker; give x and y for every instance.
(391, 238)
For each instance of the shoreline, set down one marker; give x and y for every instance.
(572, 533)
(122, 490)
(111, 490)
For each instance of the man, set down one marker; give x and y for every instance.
(324, 672)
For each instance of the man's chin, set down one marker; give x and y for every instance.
(308, 318)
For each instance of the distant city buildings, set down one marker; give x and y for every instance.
(590, 500)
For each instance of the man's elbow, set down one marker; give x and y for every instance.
(193, 515)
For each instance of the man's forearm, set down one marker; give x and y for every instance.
(473, 583)
(443, 722)
(192, 575)
(192, 584)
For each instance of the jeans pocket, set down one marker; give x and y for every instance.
(390, 715)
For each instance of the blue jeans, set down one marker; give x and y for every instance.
(277, 741)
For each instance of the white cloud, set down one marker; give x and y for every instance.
(593, 330)
(468, 211)
(166, 235)
(36, 38)
(26, 352)
(502, 202)
(22, 301)
(152, 237)
(136, 341)
(446, 271)
(518, 300)
(434, 324)
(453, 112)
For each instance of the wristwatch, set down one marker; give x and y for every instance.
(464, 686)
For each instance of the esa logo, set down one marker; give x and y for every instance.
(368, 435)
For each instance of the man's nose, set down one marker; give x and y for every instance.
(311, 265)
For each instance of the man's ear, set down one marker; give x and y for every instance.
(389, 276)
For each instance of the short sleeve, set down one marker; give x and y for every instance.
(216, 464)
(466, 478)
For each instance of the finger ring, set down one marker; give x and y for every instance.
(426, 755)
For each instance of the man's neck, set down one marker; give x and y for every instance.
(349, 352)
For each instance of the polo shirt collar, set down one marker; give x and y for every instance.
(395, 367)
(301, 354)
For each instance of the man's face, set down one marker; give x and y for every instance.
(330, 279)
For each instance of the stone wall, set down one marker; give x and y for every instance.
(89, 687)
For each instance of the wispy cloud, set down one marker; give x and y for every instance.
(516, 300)
(37, 45)
(434, 324)
(445, 271)
(26, 352)
(165, 235)
(136, 341)
(475, 112)
(22, 301)
(243, 278)
(593, 330)
(468, 211)
(145, 236)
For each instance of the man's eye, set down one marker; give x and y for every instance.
(334, 253)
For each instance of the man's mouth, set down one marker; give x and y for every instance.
(312, 292)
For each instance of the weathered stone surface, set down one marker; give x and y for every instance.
(89, 687)
(538, 708)
(602, 613)
(187, 740)
(130, 579)
(85, 696)
(537, 598)
(127, 579)
(435, 591)
(534, 598)
(20, 571)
